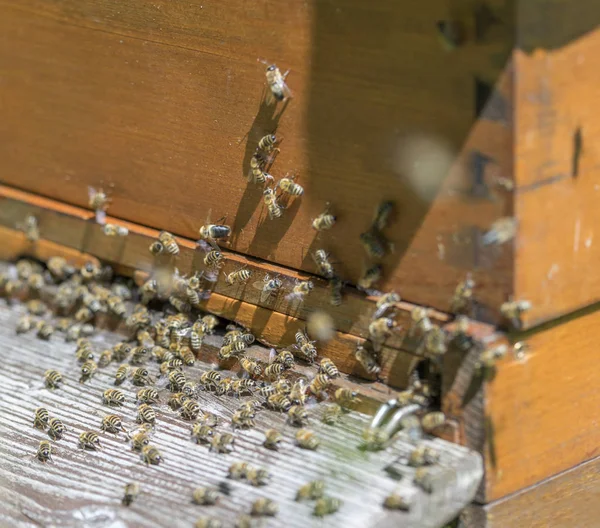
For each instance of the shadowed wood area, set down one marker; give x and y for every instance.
(88, 486)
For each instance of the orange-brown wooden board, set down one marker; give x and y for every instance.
(160, 104)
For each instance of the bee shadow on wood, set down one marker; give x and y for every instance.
(265, 122)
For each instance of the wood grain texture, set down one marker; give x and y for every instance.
(160, 103)
(87, 487)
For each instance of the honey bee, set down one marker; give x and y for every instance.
(84, 349)
(395, 501)
(501, 231)
(374, 244)
(190, 410)
(267, 144)
(331, 414)
(420, 322)
(140, 353)
(328, 367)
(290, 187)
(272, 439)
(326, 506)
(375, 439)
(146, 414)
(24, 324)
(238, 470)
(116, 305)
(278, 89)
(423, 455)
(384, 303)
(325, 220)
(462, 299)
(210, 323)
(147, 395)
(179, 304)
(256, 174)
(311, 490)
(44, 330)
(35, 282)
(121, 374)
(210, 378)
(44, 452)
(243, 419)
(324, 266)
(279, 402)
(257, 476)
(307, 439)
(176, 400)
(208, 522)
(367, 360)
(56, 428)
(434, 343)
(215, 231)
(270, 200)
(53, 379)
(486, 364)
(214, 259)
(432, 421)
(141, 377)
(268, 286)
(297, 415)
(336, 286)
(297, 395)
(113, 230)
(205, 496)
(222, 443)
(41, 417)
(319, 385)
(202, 433)
(132, 490)
(273, 371)
(512, 311)
(83, 315)
(89, 440)
(346, 397)
(151, 455)
(139, 440)
(266, 390)
(121, 351)
(168, 242)
(98, 201)
(424, 479)
(90, 271)
(35, 306)
(59, 267)
(187, 356)
(239, 276)
(112, 423)
(105, 358)
(300, 290)
(379, 330)
(88, 369)
(264, 507)
(113, 397)
(242, 386)
(30, 228)
(176, 380)
(285, 358)
(304, 348)
(223, 386)
(382, 215)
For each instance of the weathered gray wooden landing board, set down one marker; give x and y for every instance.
(85, 488)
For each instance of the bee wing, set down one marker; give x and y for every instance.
(264, 295)
(204, 245)
(100, 217)
(259, 285)
(286, 89)
(269, 97)
(272, 355)
(92, 193)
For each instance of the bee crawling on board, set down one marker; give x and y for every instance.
(304, 348)
(267, 146)
(151, 455)
(44, 452)
(268, 287)
(346, 397)
(307, 439)
(41, 417)
(208, 522)
(132, 490)
(52, 379)
(379, 330)
(98, 201)
(239, 276)
(375, 439)
(325, 220)
(25, 324)
(300, 291)
(274, 209)
(397, 501)
(312, 490)
(278, 89)
(56, 428)
(113, 230)
(336, 287)
(272, 439)
(264, 507)
(89, 440)
(289, 186)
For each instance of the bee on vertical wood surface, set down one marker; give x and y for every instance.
(267, 144)
(44, 330)
(205, 496)
(113, 397)
(88, 369)
(98, 201)
(264, 507)
(112, 423)
(386, 302)
(208, 522)
(30, 228)
(300, 290)
(319, 385)
(278, 89)
(270, 199)
(168, 242)
(311, 490)
(132, 490)
(202, 433)
(396, 501)
(53, 379)
(367, 360)
(272, 439)
(151, 455)
(268, 286)
(307, 439)
(331, 414)
(297, 415)
(346, 397)
(256, 174)
(216, 231)
(238, 277)
(486, 364)
(324, 266)
(44, 452)
(289, 186)
(326, 506)
(24, 324)
(462, 299)
(513, 310)
(501, 231)
(214, 259)
(56, 428)
(382, 215)
(41, 417)
(379, 330)
(325, 220)
(222, 443)
(113, 230)
(89, 440)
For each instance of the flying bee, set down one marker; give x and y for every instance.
(374, 243)
(379, 330)
(208, 522)
(168, 242)
(56, 429)
(336, 286)
(44, 330)
(214, 259)
(205, 496)
(53, 379)
(112, 423)
(222, 443)
(24, 324)
(272, 439)
(270, 200)
(88, 369)
(202, 433)
(190, 410)
(423, 455)
(297, 415)
(237, 277)
(44, 452)
(251, 367)
(462, 299)
(324, 266)
(432, 421)
(367, 360)
(146, 414)
(132, 490)
(285, 358)
(210, 378)
(501, 231)
(113, 230)
(331, 414)
(242, 386)
(151, 455)
(268, 286)
(395, 501)
(297, 395)
(176, 380)
(279, 402)
(147, 395)
(346, 397)
(30, 228)
(273, 371)
(278, 89)
(319, 385)
(328, 367)
(257, 476)
(311, 490)
(41, 417)
(113, 397)
(324, 221)
(290, 187)
(382, 215)
(243, 419)
(105, 358)
(264, 507)
(98, 200)
(89, 440)
(238, 470)
(141, 377)
(384, 303)
(300, 290)
(307, 439)
(512, 311)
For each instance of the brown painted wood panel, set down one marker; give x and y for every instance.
(160, 103)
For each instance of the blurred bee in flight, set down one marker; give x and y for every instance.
(98, 201)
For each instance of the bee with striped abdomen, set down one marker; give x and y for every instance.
(56, 429)
(187, 356)
(238, 277)
(279, 402)
(331, 414)
(273, 371)
(304, 347)
(267, 144)
(151, 455)
(385, 302)
(283, 386)
(88, 369)
(272, 439)
(214, 259)
(210, 378)
(264, 507)
(44, 452)
(222, 443)
(146, 414)
(190, 410)
(379, 330)
(346, 397)
(89, 440)
(270, 199)
(243, 419)
(216, 231)
(328, 367)
(251, 367)
(324, 266)
(141, 377)
(289, 186)
(319, 385)
(121, 351)
(44, 330)
(256, 174)
(105, 358)
(169, 243)
(285, 358)
(300, 290)
(374, 244)
(278, 89)
(52, 378)
(242, 386)
(41, 417)
(326, 506)
(298, 393)
(112, 423)
(297, 415)
(324, 221)
(113, 397)
(147, 395)
(257, 476)
(202, 433)
(121, 374)
(176, 380)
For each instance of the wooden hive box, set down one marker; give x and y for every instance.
(162, 105)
